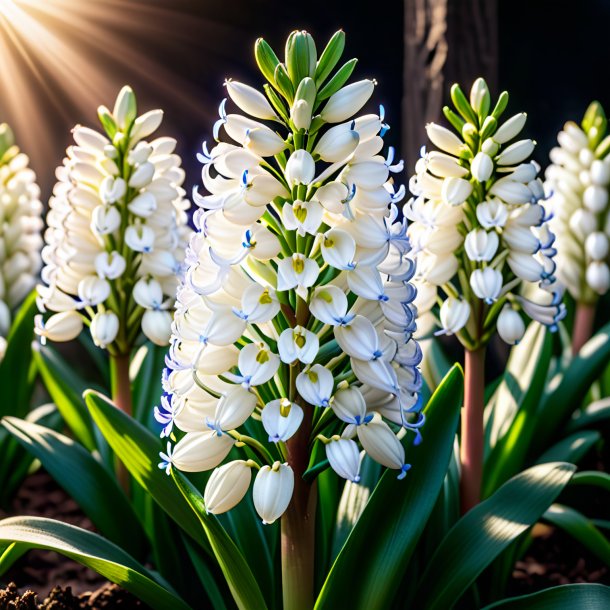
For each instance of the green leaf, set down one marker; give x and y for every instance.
(66, 394)
(147, 388)
(239, 577)
(462, 105)
(595, 413)
(571, 449)
(338, 80)
(566, 597)
(138, 449)
(592, 477)
(330, 57)
(581, 529)
(559, 404)
(372, 563)
(85, 480)
(435, 364)
(483, 533)
(15, 367)
(513, 410)
(92, 551)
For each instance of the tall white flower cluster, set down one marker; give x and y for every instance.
(294, 323)
(478, 226)
(117, 229)
(20, 227)
(578, 180)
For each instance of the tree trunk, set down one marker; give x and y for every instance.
(446, 41)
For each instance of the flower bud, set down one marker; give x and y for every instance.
(349, 406)
(525, 266)
(148, 293)
(337, 144)
(479, 96)
(146, 124)
(124, 111)
(510, 129)
(93, 290)
(596, 246)
(481, 245)
(264, 142)
(490, 147)
(156, 325)
(486, 284)
(272, 491)
(233, 409)
(300, 114)
(582, 222)
(511, 192)
(281, 419)
(520, 238)
(198, 451)
(329, 305)
(382, 445)
(359, 339)
(142, 176)
(510, 326)
(250, 100)
(516, 153)
(455, 191)
(492, 213)
(454, 315)
(143, 205)
(598, 277)
(227, 486)
(595, 198)
(444, 139)
(63, 326)
(300, 168)
(445, 166)
(482, 167)
(104, 328)
(344, 458)
(600, 172)
(347, 101)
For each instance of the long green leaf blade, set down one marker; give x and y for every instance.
(566, 597)
(239, 577)
(484, 532)
(85, 480)
(580, 528)
(371, 564)
(92, 551)
(138, 449)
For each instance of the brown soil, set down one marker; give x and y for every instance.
(61, 584)
(108, 596)
(553, 559)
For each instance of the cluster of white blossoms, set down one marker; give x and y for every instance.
(578, 181)
(294, 322)
(117, 230)
(20, 227)
(480, 233)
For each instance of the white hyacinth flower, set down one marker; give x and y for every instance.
(481, 230)
(320, 322)
(226, 486)
(578, 181)
(117, 229)
(20, 227)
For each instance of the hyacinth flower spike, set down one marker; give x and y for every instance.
(295, 317)
(20, 237)
(485, 249)
(578, 181)
(117, 229)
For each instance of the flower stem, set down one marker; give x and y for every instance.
(583, 326)
(298, 528)
(471, 451)
(121, 397)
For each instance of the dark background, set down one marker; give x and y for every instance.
(553, 58)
